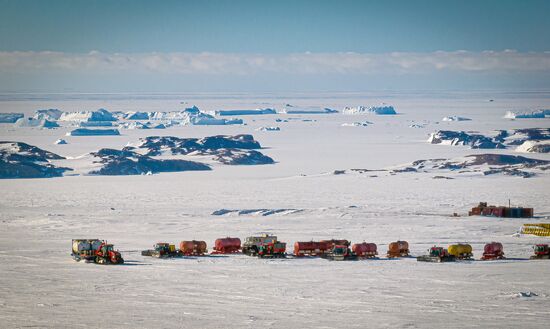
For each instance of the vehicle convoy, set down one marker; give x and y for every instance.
(541, 251)
(493, 250)
(462, 251)
(251, 245)
(227, 246)
(340, 252)
(193, 248)
(398, 249)
(95, 250)
(272, 250)
(364, 250)
(436, 255)
(162, 250)
(312, 248)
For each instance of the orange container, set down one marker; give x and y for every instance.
(193, 247)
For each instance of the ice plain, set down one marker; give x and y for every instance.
(41, 286)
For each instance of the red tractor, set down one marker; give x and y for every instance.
(542, 251)
(272, 250)
(106, 254)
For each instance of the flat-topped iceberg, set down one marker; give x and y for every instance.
(93, 132)
(380, 110)
(95, 124)
(192, 116)
(10, 117)
(98, 115)
(307, 110)
(242, 112)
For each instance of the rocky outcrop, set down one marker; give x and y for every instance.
(21, 160)
(125, 162)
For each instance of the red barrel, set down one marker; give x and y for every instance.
(493, 248)
(193, 247)
(364, 249)
(227, 245)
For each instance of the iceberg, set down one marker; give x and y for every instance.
(192, 116)
(455, 118)
(307, 110)
(10, 117)
(136, 115)
(268, 129)
(48, 114)
(95, 124)
(37, 123)
(93, 132)
(540, 114)
(99, 115)
(242, 112)
(380, 110)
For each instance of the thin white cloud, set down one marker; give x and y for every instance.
(299, 63)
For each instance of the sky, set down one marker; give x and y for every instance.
(125, 46)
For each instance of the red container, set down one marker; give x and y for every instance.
(311, 248)
(227, 245)
(364, 249)
(527, 213)
(493, 248)
(193, 247)
(335, 242)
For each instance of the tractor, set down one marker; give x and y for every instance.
(272, 250)
(162, 250)
(252, 244)
(340, 252)
(436, 255)
(106, 254)
(541, 251)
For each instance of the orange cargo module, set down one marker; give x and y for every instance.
(193, 248)
(398, 249)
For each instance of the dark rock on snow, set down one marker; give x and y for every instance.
(21, 160)
(126, 162)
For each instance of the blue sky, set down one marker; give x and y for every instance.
(78, 42)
